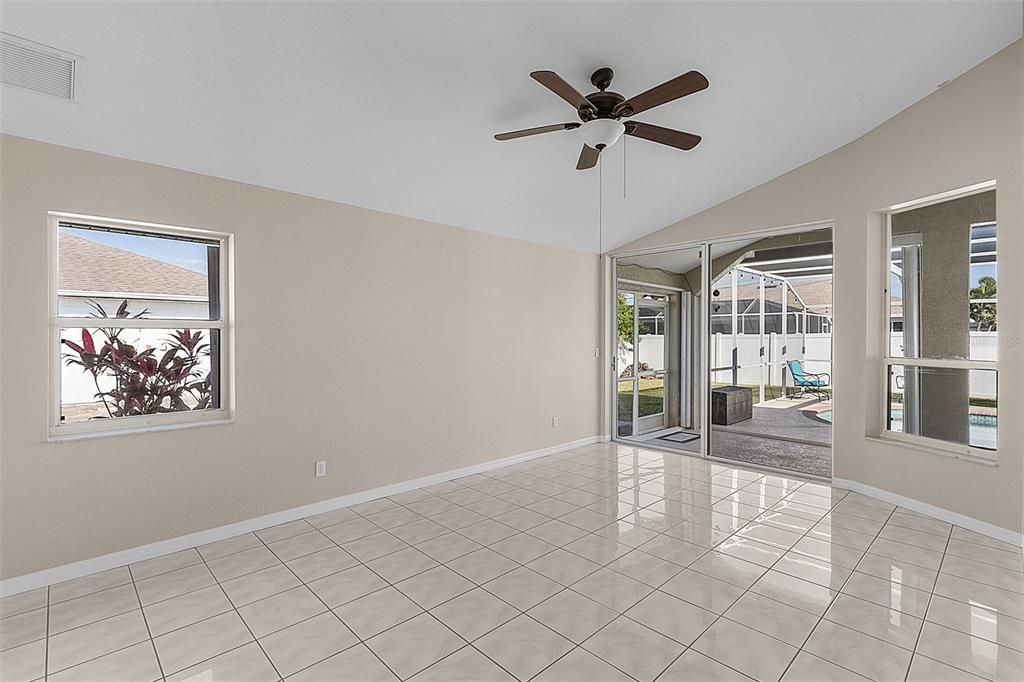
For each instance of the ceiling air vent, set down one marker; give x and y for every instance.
(36, 67)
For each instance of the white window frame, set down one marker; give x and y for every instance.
(225, 323)
(934, 445)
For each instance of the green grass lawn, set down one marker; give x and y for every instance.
(651, 395)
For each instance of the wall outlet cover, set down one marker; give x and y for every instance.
(321, 468)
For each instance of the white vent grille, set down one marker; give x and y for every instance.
(35, 67)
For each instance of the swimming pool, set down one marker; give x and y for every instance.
(983, 427)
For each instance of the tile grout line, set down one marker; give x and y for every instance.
(821, 618)
(145, 621)
(706, 551)
(468, 644)
(772, 567)
(389, 585)
(119, 649)
(622, 614)
(359, 639)
(394, 586)
(217, 581)
(520, 612)
(476, 586)
(237, 613)
(924, 616)
(96, 658)
(747, 590)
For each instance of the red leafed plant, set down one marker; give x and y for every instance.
(150, 381)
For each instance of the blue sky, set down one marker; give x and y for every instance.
(183, 254)
(982, 270)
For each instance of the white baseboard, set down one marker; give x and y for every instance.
(50, 576)
(982, 527)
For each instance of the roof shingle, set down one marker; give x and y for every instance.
(90, 266)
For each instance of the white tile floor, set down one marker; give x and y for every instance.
(602, 563)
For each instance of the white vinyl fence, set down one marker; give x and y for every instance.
(814, 350)
(984, 346)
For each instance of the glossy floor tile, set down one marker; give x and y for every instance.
(607, 562)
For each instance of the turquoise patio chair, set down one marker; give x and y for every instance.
(809, 382)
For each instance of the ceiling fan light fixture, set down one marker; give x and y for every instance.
(602, 133)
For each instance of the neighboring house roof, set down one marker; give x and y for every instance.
(90, 266)
(816, 294)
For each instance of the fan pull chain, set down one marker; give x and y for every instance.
(623, 167)
(600, 208)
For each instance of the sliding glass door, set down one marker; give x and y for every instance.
(643, 363)
(770, 352)
(652, 362)
(657, 362)
(728, 355)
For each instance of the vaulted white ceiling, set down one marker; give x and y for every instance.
(393, 105)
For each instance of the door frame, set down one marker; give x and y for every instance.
(685, 345)
(685, 326)
(705, 247)
(635, 377)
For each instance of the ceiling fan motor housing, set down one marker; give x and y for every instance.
(601, 133)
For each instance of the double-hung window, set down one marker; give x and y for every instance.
(941, 346)
(140, 326)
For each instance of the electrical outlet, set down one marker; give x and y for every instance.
(321, 468)
(597, 352)
(554, 422)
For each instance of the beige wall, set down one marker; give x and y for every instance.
(967, 132)
(461, 318)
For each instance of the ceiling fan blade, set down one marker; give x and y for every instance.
(536, 131)
(673, 138)
(680, 86)
(588, 158)
(556, 84)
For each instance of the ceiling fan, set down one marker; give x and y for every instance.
(601, 111)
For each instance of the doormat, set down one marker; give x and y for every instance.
(681, 437)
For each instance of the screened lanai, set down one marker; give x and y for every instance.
(760, 321)
(771, 335)
(767, 336)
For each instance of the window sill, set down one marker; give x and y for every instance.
(888, 438)
(65, 434)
